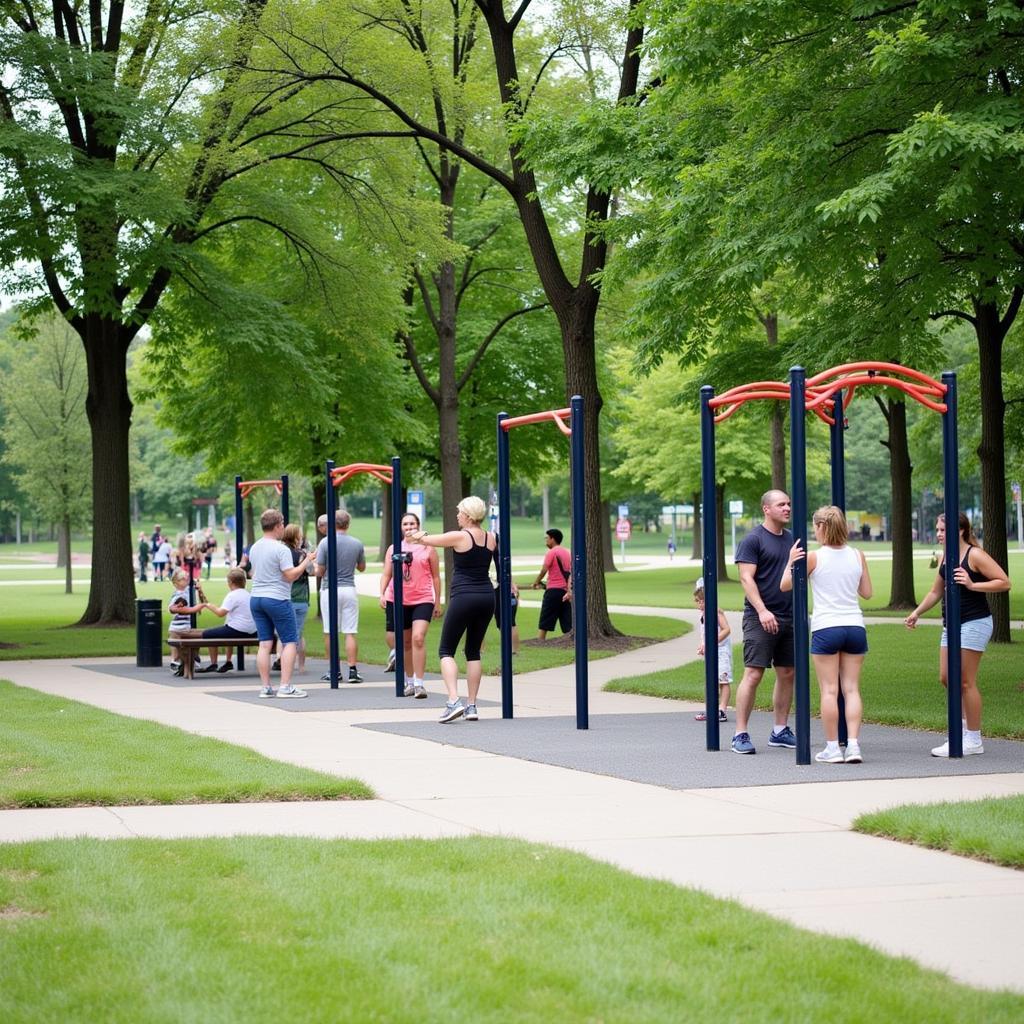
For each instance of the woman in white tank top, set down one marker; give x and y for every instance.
(838, 575)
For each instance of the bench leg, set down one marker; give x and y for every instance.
(240, 658)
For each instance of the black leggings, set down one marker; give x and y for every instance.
(470, 614)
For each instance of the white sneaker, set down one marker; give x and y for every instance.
(969, 748)
(291, 691)
(390, 667)
(830, 755)
(409, 691)
(853, 754)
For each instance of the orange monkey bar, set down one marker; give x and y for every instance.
(248, 486)
(342, 473)
(557, 415)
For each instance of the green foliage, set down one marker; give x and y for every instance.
(45, 430)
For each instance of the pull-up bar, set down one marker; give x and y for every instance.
(574, 432)
(818, 394)
(335, 477)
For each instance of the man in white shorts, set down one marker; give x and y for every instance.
(351, 557)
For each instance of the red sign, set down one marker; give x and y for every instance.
(623, 529)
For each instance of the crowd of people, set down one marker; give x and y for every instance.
(279, 564)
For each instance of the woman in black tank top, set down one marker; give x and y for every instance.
(470, 606)
(977, 574)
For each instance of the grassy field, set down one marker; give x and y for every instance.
(60, 753)
(990, 830)
(34, 624)
(899, 685)
(469, 930)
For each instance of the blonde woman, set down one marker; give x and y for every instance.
(471, 606)
(838, 575)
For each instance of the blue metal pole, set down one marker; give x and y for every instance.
(838, 461)
(397, 568)
(709, 530)
(238, 519)
(801, 645)
(951, 508)
(505, 565)
(284, 498)
(579, 562)
(331, 577)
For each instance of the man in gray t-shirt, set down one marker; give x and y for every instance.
(351, 557)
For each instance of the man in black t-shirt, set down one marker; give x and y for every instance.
(762, 557)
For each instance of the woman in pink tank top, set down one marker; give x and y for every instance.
(421, 603)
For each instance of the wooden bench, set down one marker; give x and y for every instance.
(195, 643)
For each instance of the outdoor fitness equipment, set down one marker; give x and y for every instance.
(243, 488)
(823, 394)
(335, 477)
(574, 431)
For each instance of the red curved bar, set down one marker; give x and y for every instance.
(342, 473)
(248, 486)
(918, 394)
(934, 386)
(557, 415)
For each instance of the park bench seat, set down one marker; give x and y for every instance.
(194, 643)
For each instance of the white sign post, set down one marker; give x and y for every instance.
(622, 530)
(735, 510)
(414, 504)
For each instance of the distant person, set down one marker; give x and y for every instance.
(977, 575)
(762, 556)
(239, 626)
(838, 575)
(555, 607)
(209, 545)
(471, 605)
(724, 655)
(671, 549)
(273, 573)
(192, 557)
(157, 537)
(421, 604)
(143, 556)
(227, 551)
(161, 558)
(351, 557)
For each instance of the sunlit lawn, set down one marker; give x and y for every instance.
(467, 930)
(991, 830)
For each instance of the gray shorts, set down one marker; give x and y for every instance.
(766, 650)
(974, 635)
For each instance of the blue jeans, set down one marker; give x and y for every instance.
(272, 614)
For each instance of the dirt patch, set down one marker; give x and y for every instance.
(9, 647)
(618, 644)
(18, 874)
(21, 769)
(15, 913)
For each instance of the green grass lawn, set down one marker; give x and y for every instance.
(899, 684)
(60, 753)
(991, 830)
(468, 930)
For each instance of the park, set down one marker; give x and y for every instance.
(511, 511)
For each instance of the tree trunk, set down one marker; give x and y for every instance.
(581, 379)
(109, 408)
(698, 539)
(319, 492)
(63, 558)
(901, 594)
(771, 330)
(250, 526)
(65, 536)
(385, 520)
(992, 453)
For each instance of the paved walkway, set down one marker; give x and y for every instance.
(784, 849)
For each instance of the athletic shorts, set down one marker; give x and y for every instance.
(348, 610)
(974, 635)
(226, 633)
(555, 611)
(272, 615)
(840, 640)
(410, 613)
(765, 650)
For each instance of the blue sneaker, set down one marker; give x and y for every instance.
(783, 739)
(741, 744)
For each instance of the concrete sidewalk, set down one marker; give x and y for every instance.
(785, 849)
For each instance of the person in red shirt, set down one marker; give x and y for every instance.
(556, 607)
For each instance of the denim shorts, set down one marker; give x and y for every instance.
(270, 614)
(301, 609)
(840, 640)
(974, 635)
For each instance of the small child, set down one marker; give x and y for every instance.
(180, 609)
(724, 654)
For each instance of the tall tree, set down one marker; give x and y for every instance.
(45, 431)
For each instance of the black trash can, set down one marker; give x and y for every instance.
(149, 634)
